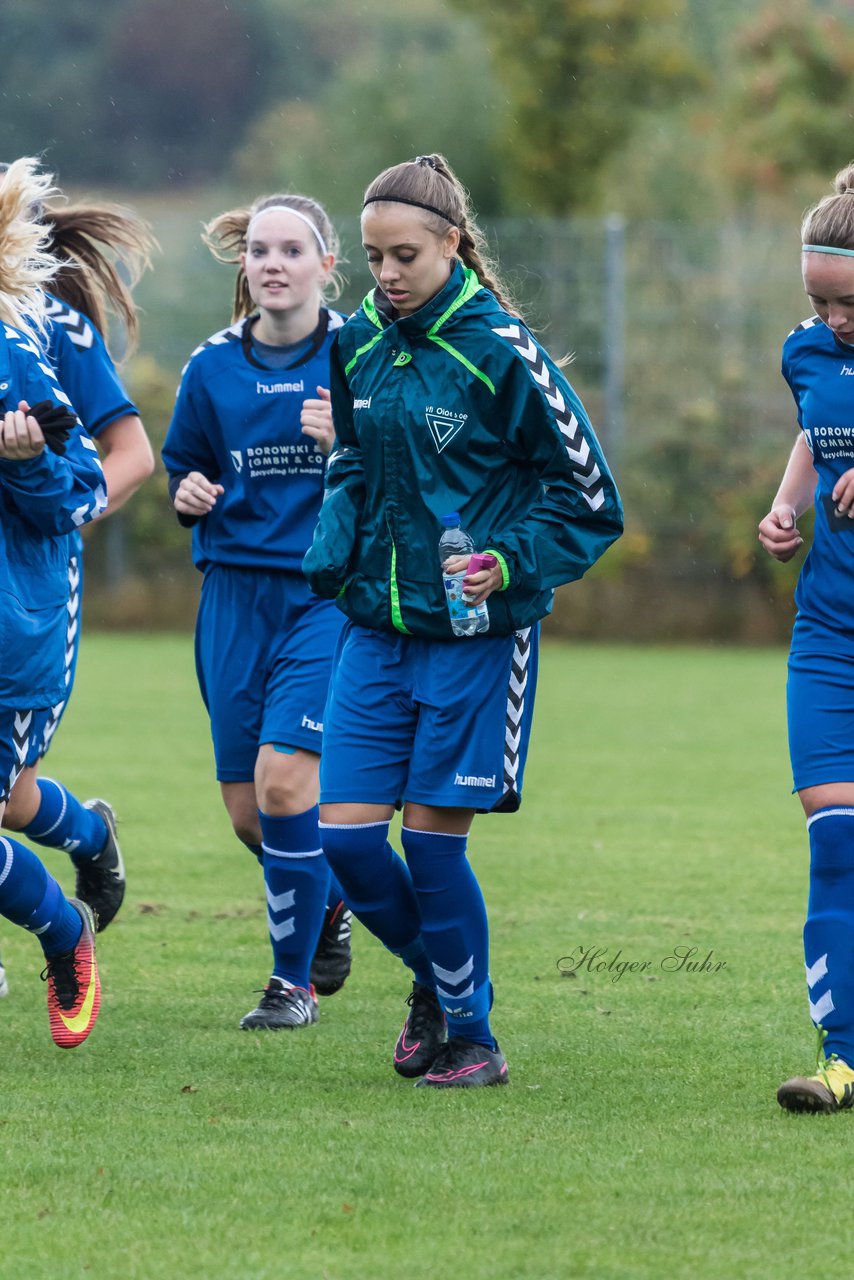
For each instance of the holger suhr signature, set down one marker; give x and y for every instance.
(682, 959)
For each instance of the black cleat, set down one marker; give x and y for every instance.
(101, 880)
(423, 1033)
(282, 1008)
(332, 958)
(463, 1064)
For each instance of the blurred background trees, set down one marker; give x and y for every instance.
(705, 126)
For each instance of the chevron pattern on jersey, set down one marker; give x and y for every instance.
(75, 325)
(516, 707)
(231, 334)
(805, 324)
(585, 470)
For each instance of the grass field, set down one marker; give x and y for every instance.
(639, 1136)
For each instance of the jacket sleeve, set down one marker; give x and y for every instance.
(54, 493)
(328, 559)
(579, 513)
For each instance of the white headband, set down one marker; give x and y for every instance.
(286, 208)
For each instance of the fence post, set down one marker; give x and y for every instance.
(615, 335)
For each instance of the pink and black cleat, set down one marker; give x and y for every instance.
(463, 1064)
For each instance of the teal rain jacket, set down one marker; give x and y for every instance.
(454, 408)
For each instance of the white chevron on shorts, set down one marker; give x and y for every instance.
(817, 971)
(822, 1007)
(515, 707)
(584, 472)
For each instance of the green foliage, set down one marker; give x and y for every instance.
(578, 73)
(435, 93)
(789, 115)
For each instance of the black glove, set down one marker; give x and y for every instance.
(56, 423)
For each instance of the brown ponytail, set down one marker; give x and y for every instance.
(89, 242)
(430, 180)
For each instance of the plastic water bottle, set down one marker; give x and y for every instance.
(465, 620)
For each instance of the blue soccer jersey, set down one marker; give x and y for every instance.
(820, 372)
(85, 368)
(238, 423)
(42, 500)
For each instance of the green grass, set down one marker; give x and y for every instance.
(639, 1136)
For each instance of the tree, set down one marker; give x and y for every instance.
(790, 115)
(578, 74)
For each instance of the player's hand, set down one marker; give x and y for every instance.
(196, 495)
(480, 585)
(843, 493)
(20, 435)
(316, 420)
(778, 533)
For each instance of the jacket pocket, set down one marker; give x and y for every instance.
(32, 653)
(365, 600)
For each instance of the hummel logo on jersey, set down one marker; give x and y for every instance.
(237, 459)
(444, 425)
(272, 388)
(847, 370)
(311, 724)
(362, 404)
(471, 780)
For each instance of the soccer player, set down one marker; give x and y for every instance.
(86, 288)
(245, 453)
(443, 402)
(44, 495)
(817, 356)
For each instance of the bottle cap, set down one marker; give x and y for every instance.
(453, 518)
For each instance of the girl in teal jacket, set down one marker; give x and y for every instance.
(443, 401)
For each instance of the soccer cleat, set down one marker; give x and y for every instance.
(423, 1033)
(282, 1008)
(830, 1089)
(73, 986)
(463, 1064)
(101, 880)
(331, 964)
(4, 981)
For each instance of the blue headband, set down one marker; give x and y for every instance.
(826, 248)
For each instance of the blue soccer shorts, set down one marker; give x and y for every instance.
(444, 723)
(820, 705)
(264, 647)
(21, 731)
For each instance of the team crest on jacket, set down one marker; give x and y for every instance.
(444, 425)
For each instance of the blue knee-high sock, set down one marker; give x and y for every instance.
(455, 930)
(378, 890)
(30, 897)
(256, 850)
(296, 877)
(62, 822)
(336, 893)
(829, 929)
